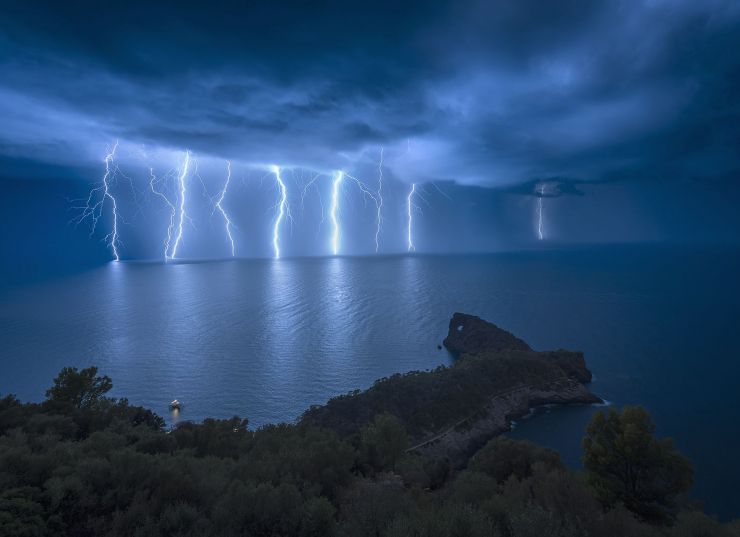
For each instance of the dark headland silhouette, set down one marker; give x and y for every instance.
(450, 412)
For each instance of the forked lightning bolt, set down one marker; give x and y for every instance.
(220, 207)
(283, 211)
(539, 223)
(338, 178)
(113, 235)
(379, 219)
(94, 209)
(540, 235)
(410, 207)
(177, 201)
(308, 185)
(183, 194)
(363, 188)
(171, 226)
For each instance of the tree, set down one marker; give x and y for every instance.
(627, 464)
(503, 457)
(78, 389)
(384, 441)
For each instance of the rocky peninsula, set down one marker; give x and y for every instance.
(450, 412)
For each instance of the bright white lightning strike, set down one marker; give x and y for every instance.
(183, 193)
(410, 213)
(338, 177)
(540, 235)
(106, 193)
(539, 223)
(95, 210)
(379, 218)
(220, 207)
(283, 211)
(171, 226)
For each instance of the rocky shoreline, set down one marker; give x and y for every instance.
(461, 441)
(451, 412)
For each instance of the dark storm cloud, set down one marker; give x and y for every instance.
(488, 93)
(551, 187)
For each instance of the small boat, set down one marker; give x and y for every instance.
(175, 405)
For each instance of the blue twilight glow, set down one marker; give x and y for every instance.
(338, 178)
(183, 194)
(220, 207)
(410, 222)
(283, 211)
(379, 220)
(161, 194)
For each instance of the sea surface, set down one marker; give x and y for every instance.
(264, 339)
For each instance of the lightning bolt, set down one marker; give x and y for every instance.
(113, 235)
(220, 207)
(161, 194)
(445, 194)
(363, 188)
(308, 185)
(379, 204)
(283, 211)
(539, 222)
(183, 193)
(540, 235)
(338, 178)
(304, 193)
(410, 223)
(94, 209)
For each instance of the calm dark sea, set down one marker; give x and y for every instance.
(265, 339)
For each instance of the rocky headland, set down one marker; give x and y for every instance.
(450, 412)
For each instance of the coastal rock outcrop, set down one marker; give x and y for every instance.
(469, 334)
(451, 412)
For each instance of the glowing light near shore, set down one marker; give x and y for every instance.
(338, 178)
(161, 194)
(183, 194)
(220, 207)
(410, 222)
(283, 211)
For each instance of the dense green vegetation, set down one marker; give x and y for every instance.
(82, 464)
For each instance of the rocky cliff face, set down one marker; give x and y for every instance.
(469, 334)
(452, 411)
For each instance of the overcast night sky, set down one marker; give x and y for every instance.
(627, 112)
